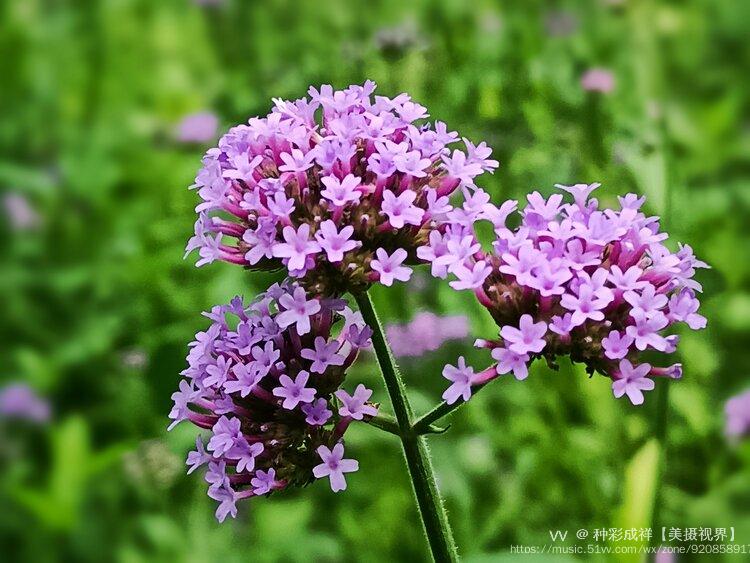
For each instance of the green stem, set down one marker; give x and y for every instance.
(425, 421)
(660, 433)
(388, 423)
(431, 509)
(385, 422)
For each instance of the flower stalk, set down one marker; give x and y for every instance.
(425, 422)
(432, 512)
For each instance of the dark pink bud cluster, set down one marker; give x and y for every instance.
(339, 188)
(597, 285)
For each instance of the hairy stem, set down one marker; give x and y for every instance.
(424, 422)
(385, 422)
(388, 423)
(434, 518)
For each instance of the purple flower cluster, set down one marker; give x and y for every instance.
(265, 380)
(737, 410)
(597, 285)
(338, 188)
(426, 332)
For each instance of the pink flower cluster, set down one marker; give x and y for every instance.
(265, 381)
(338, 188)
(597, 285)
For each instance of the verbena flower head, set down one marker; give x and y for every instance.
(597, 285)
(265, 380)
(340, 188)
(737, 411)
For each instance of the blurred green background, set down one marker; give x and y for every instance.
(98, 304)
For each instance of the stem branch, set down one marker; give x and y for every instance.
(434, 518)
(425, 421)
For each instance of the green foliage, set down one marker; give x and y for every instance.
(98, 304)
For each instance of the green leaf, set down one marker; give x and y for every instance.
(639, 494)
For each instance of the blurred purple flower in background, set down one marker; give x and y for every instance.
(737, 411)
(426, 332)
(21, 216)
(265, 381)
(197, 127)
(665, 555)
(575, 280)
(598, 80)
(560, 23)
(19, 401)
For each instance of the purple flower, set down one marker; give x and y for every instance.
(584, 305)
(18, 400)
(317, 412)
(311, 185)
(426, 332)
(617, 345)
(411, 163)
(632, 381)
(389, 267)
(645, 332)
(334, 466)
(598, 80)
(630, 279)
(296, 161)
(323, 355)
(683, 307)
(529, 337)
(401, 209)
(562, 324)
(21, 214)
(298, 311)
(216, 475)
(521, 266)
(226, 433)
(293, 391)
(341, 192)
(182, 398)
(245, 455)
(243, 379)
(335, 243)
(737, 412)
(198, 457)
(197, 127)
(248, 376)
(646, 302)
(601, 280)
(264, 481)
(355, 406)
(508, 361)
(297, 247)
(459, 167)
(471, 278)
(227, 501)
(462, 377)
(218, 372)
